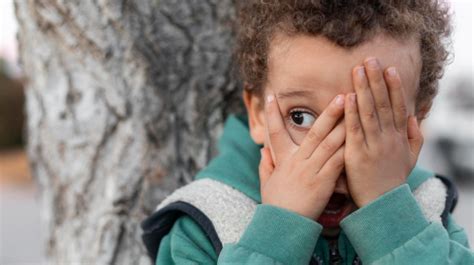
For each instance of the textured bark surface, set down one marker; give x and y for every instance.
(125, 102)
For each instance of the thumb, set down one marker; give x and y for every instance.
(266, 166)
(415, 138)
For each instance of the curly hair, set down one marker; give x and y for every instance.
(347, 24)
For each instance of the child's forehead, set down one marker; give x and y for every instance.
(315, 62)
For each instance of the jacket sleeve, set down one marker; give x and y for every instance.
(273, 236)
(393, 230)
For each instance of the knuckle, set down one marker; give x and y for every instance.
(315, 136)
(314, 182)
(384, 107)
(402, 109)
(353, 111)
(363, 87)
(400, 128)
(370, 115)
(354, 128)
(376, 78)
(379, 79)
(327, 146)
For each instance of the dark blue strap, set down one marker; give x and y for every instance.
(159, 224)
(451, 198)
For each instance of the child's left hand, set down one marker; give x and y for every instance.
(382, 142)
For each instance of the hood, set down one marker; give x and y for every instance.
(239, 156)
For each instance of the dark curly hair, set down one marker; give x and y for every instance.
(347, 23)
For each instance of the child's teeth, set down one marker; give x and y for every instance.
(332, 211)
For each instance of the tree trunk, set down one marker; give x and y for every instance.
(125, 102)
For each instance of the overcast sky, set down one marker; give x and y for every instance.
(8, 28)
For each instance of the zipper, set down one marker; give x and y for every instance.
(334, 256)
(356, 261)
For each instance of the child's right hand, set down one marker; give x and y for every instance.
(303, 178)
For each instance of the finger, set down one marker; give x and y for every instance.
(332, 169)
(380, 93)
(265, 168)
(278, 136)
(365, 105)
(321, 127)
(415, 137)
(328, 147)
(354, 133)
(397, 98)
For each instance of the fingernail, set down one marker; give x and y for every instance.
(261, 152)
(372, 62)
(361, 71)
(340, 100)
(392, 71)
(270, 98)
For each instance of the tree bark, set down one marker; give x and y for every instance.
(125, 102)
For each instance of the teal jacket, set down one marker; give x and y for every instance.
(390, 230)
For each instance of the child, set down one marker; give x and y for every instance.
(345, 84)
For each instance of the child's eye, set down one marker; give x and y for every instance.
(302, 119)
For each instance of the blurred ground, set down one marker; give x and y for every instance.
(20, 229)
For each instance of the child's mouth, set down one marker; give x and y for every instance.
(338, 207)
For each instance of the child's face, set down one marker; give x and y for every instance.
(306, 73)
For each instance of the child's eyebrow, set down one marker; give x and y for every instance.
(296, 93)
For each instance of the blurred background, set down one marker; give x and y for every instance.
(448, 149)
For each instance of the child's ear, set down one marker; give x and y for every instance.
(256, 115)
